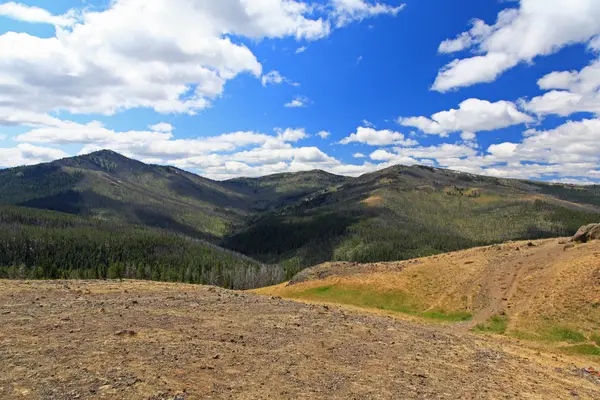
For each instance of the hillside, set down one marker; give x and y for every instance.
(305, 218)
(40, 244)
(137, 340)
(545, 291)
(109, 186)
(406, 212)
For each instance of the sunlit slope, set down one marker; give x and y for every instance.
(539, 290)
(408, 212)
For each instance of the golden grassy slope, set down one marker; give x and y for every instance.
(541, 290)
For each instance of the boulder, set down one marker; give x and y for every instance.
(587, 233)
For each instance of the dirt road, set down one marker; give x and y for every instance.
(144, 340)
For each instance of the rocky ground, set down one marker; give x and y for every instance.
(145, 340)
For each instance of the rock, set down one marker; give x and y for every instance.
(126, 332)
(587, 233)
(568, 246)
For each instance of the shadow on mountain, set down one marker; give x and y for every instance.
(273, 237)
(23, 184)
(91, 204)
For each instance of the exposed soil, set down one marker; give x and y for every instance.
(144, 340)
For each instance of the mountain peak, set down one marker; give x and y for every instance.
(104, 160)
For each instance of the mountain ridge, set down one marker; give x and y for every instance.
(308, 217)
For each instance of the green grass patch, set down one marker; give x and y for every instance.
(582, 349)
(564, 334)
(595, 338)
(495, 324)
(523, 335)
(455, 316)
(551, 334)
(395, 301)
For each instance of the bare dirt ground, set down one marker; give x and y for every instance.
(144, 340)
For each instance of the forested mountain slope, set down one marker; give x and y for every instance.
(109, 186)
(40, 244)
(301, 219)
(407, 212)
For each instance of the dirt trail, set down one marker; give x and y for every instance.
(504, 273)
(144, 340)
(538, 286)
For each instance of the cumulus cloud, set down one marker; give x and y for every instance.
(162, 127)
(569, 92)
(275, 78)
(171, 56)
(25, 13)
(324, 134)
(27, 154)
(473, 115)
(535, 28)
(298, 102)
(347, 11)
(375, 137)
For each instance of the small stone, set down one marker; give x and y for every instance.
(126, 332)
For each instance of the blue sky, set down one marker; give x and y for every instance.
(252, 87)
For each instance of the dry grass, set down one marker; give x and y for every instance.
(539, 289)
(373, 201)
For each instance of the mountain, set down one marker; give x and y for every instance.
(109, 186)
(406, 212)
(305, 218)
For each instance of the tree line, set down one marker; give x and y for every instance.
(37, 244)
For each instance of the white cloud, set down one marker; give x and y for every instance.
(463, 41)
(301, 49)
(368, 124)
(569, 151)
(594, 44)
(473, 115)
(298, 102)
(503, 150)
(261, 161)
(157, 142)
(162, 127)
(570, 92)
(358, 155)
(374, 137)
(291, 135)
(468, 136)
(27, 154)
(275, 78)
(172, 56)
(324, 134)
(22, 12)
(535, 28)
(585, 81)
(563, 103)
(347, 11)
